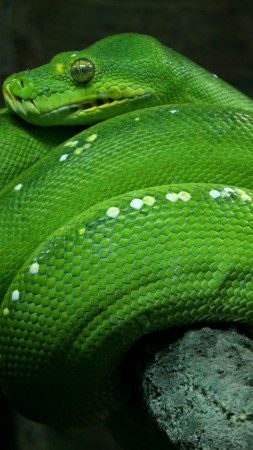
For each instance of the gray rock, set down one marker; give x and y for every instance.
(196, 392)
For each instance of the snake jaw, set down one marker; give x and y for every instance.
(97, 108)
(22, 107)
(88, 108)
(88, 105)
(52, 110)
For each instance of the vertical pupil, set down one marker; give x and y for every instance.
(82, 69)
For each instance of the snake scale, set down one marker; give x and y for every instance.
(139, 222)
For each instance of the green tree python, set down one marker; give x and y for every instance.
(140, 222)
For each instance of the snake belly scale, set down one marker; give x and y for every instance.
(139, 223)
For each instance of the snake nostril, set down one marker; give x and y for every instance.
(21, 88)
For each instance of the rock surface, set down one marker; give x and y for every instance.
(198, 390)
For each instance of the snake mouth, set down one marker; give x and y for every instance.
(88, 111)
(96, 109)
(29, 106)
(91, 106)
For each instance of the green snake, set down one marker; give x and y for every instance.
(140, 222)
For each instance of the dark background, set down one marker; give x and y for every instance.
(217, 34)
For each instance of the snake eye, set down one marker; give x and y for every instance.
(82, 70)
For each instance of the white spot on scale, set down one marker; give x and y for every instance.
(240, 191)
(229, 189)
(74, 54)
(63, 157)
(214, 193)
(81, 231)
(173, 111)
(34, 268)
(137, 119)
(113, 212)
(71, 144)
(6, 312)
(149, 200)
(18, 187)
(91, 138)
(78, 151)
(136, 203)
(15, 295)
(225, 194)
(185, 196)
(246, 198)
(172, 197)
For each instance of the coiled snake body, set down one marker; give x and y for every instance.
(92, 257)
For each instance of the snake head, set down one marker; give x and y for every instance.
(115, 75)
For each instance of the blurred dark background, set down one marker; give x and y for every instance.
(217, 34)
